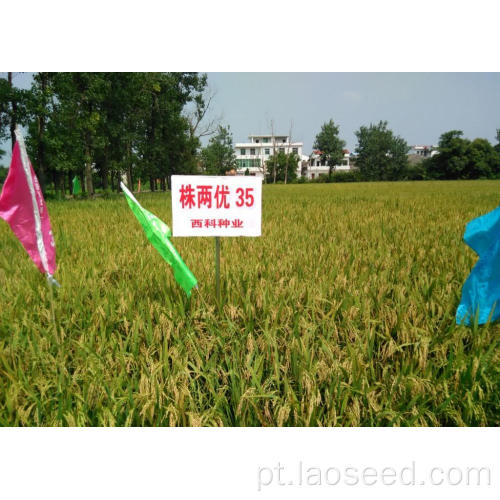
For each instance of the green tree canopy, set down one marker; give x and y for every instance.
(3, 174)
(218, 156)
(330, 145)
(286, 166)
(460, 158)
(381, 154)
(100, 126)
(497, 145)
(451, 162)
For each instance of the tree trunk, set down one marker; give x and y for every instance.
(88, 169)
(129, 178)
(88, 178)
(41, 134)
(129, 167)
(13, 117)
(60, 185)
(151, 183)
(105, 180)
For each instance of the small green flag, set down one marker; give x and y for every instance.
(158, 233)
(77, 188)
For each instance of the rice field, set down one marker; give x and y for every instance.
(341, 314)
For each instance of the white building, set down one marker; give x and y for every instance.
(423, 151)
(316, 166)
(254, 154)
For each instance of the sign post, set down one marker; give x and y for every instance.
(218, 206)
(217, 268)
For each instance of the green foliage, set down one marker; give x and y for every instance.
(13, 108)
(3, 174)
(218, 156)
(330, 145)
(130, 123)
(483, 161)
(285, 163)
(4, 107)
(460, 158)
(343, 315)
(348, 176)
(381, 154)
(416, 171)
(451, 162)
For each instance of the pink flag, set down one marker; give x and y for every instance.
(22, 206)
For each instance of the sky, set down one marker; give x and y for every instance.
(418, 106)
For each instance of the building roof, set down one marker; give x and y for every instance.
(268, 135)
(264, 144)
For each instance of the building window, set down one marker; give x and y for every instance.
(242, 152)
(256, 140)
(282, 150)
(265, 139)
(267, 151)
(252, 151)
(284, 139)
(295, 150)
(312, 176)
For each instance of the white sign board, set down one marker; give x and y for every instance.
(216, 206)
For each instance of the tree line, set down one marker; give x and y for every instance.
(380, 154)
(100, 126)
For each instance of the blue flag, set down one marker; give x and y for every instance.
(481, 290)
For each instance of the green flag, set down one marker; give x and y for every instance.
(77, 188)
(158, 233)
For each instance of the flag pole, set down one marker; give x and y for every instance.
(217, 268)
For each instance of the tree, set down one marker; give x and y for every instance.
(38, 110)
(329, 144)
(218, 156)
(284, 166)
(12, 108)
(483, 161)
(451, 161)
(4, 107)
(100, 126)
(497, 145)
(199, 125)
(381, 154)
(460, 158)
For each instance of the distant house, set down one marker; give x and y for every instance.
(419, 153)
(316, 166)
(253, 155)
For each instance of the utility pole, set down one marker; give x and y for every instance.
(289, 150)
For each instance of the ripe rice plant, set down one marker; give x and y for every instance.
(342, 313)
